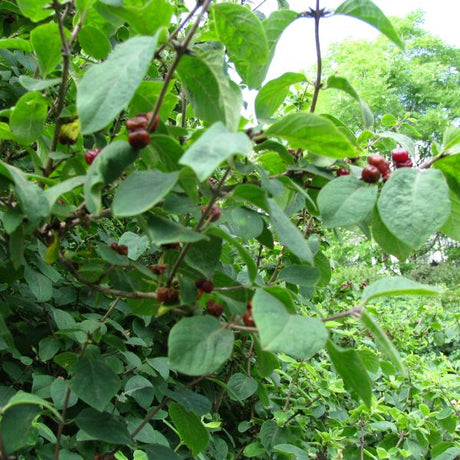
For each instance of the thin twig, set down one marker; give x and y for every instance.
(110, 310)
(354, 312)
(319, 63)
(362, 441)
(278, 266)
(433, 160)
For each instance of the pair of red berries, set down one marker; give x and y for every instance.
(167, 295)
(137, 126)
(401, 158)
(213, 308)
(377, 167)
(204, 285)
(120, 249)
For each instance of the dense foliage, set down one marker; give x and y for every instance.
(169, 282)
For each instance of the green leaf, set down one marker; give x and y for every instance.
(216, 145)
(398, 286)
(414, 204)
(280, 331)
(344, 85)
(383, 341)
(103, 427)
(163, 231)
(141, 191)
(94, 382)
(199, 345)
(145, 17)
(189, 427)
(23, 398)
(15, 44)
(300, 275)
(346, 201)
(141, 390)
(450, 167)
(31, 197)
(106, 88)
(288, 233)
(242, 386)
(112, 257)
(32, 84)
(46, 42)
(402, 139)
(451, 227)
(107, 167)
(39, 284)
(352, 370)
(450, 139)
(58, 391)
(35, 9)
(368, 12)
(244, 37)
(273, 93)
(16, 424)
(53, 193)
(157, 451)
(28, 117)
(313, 133)
(204, 256)
(291, 451)
(213, 96)
(94, 42)
(137, 244)
(244, 253)
(386, 240)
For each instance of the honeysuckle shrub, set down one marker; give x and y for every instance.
(134, 195)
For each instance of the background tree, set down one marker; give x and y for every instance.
(420, 85)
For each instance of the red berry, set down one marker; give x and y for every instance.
(342, 172)
(167, 295)
(248, 320)
(370, 174)
(90, 155)
(120, 249)
(199, 283)
(386, 175)
(213, 308)
(136, 123)
(214, 212)
(378, 161)
(158, 269)
(171, 245)
(207, 286)
(400, 155)
(139, 139)
(404, 164)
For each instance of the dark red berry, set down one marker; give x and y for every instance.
(386, 175)
(139, 139)
(10, 18)
(199, 283)
(207, 286)
(249, 305)
(400, 155)
(370, 174)
(167, 295)
(120, 249)
(136, 123)
(158, 269)
(342, 172)
(65, 139)
(171, 245)
(248, 320)
(213, 308)
(90, 155)
(378, 161)
(404, 164)
(214, 212)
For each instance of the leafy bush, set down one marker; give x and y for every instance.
(165, 289)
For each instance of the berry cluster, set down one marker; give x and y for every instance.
(90, 155)
(120, 248)
(342, 172)
(213, 308)
(204, 285)
(139, 137)
(401, 158)
(167, 295)
(248, 320)
(377, 167)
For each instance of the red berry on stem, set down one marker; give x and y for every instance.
(370, 174)
(248, 320)
(342, 172)
(139, 139)
(378, 161)
(404, 164)
(158, 269)
(213, 308)
(207, 286)
(400, 155)
(214, 212)
(90, 155)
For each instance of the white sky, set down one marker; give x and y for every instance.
(295, 50)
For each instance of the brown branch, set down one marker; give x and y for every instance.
(354, 312)
(105, 290)
(427, 164)
(181, 49)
